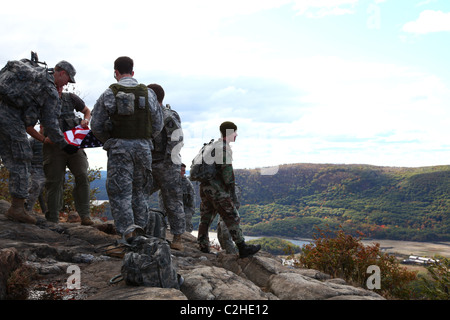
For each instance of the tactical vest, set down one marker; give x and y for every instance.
(67, 119)
(132, 119)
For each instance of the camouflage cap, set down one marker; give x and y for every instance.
(68, 68)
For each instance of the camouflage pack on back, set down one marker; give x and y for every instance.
(203, 167)
(20, 80)
(22, 85)
(171, 138)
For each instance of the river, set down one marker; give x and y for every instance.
(213, 238)
(425, 249)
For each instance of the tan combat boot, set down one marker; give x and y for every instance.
(17, 212)
(86, 221)
(177, 243)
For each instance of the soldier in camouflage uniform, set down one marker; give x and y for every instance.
(125, 118)
(217, 196)
(32, 97)
(166, 169)
(188, 198)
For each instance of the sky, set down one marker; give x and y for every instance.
(305, 81)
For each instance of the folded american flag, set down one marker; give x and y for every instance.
(82, 138)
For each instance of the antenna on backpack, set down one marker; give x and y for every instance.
(35, 59)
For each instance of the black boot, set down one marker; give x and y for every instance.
(246, 250)
(204, 249)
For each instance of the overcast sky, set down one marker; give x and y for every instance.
(306, 81)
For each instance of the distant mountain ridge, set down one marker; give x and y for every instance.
(382, 202)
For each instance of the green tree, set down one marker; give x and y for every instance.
(68, 200)
(438, 287)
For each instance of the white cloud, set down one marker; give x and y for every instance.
(322, 8)
(429, 21)
(356, 112)
(230, 91)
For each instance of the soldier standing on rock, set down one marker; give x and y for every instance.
(217, 196)
(28, 93)
(166, 163)
(125, 118)
(55, 163)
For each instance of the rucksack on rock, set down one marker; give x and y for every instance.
(149, 263)
(203, 167)
(157, 225)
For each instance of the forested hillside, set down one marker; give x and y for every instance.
(381, 202)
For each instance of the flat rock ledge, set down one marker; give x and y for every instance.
(50, 249)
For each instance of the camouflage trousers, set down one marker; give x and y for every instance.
(224, 237)
(15, 150)
(37, 183)
(216, 200)
(129, 181)
(167, 179)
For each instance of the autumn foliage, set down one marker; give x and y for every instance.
(344, 256)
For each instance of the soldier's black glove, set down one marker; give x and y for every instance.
(70, 149)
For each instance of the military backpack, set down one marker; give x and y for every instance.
(203, 167)
(20, 80)
(157, 225)
(170, 139)
(149, 263)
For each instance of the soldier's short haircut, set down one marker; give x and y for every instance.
(159, 91)
(227, 125)
(124, 65)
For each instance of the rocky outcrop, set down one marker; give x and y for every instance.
(50, 249)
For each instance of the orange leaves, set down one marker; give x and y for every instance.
(344, 256)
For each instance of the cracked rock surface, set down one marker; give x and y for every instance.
(49, 249)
